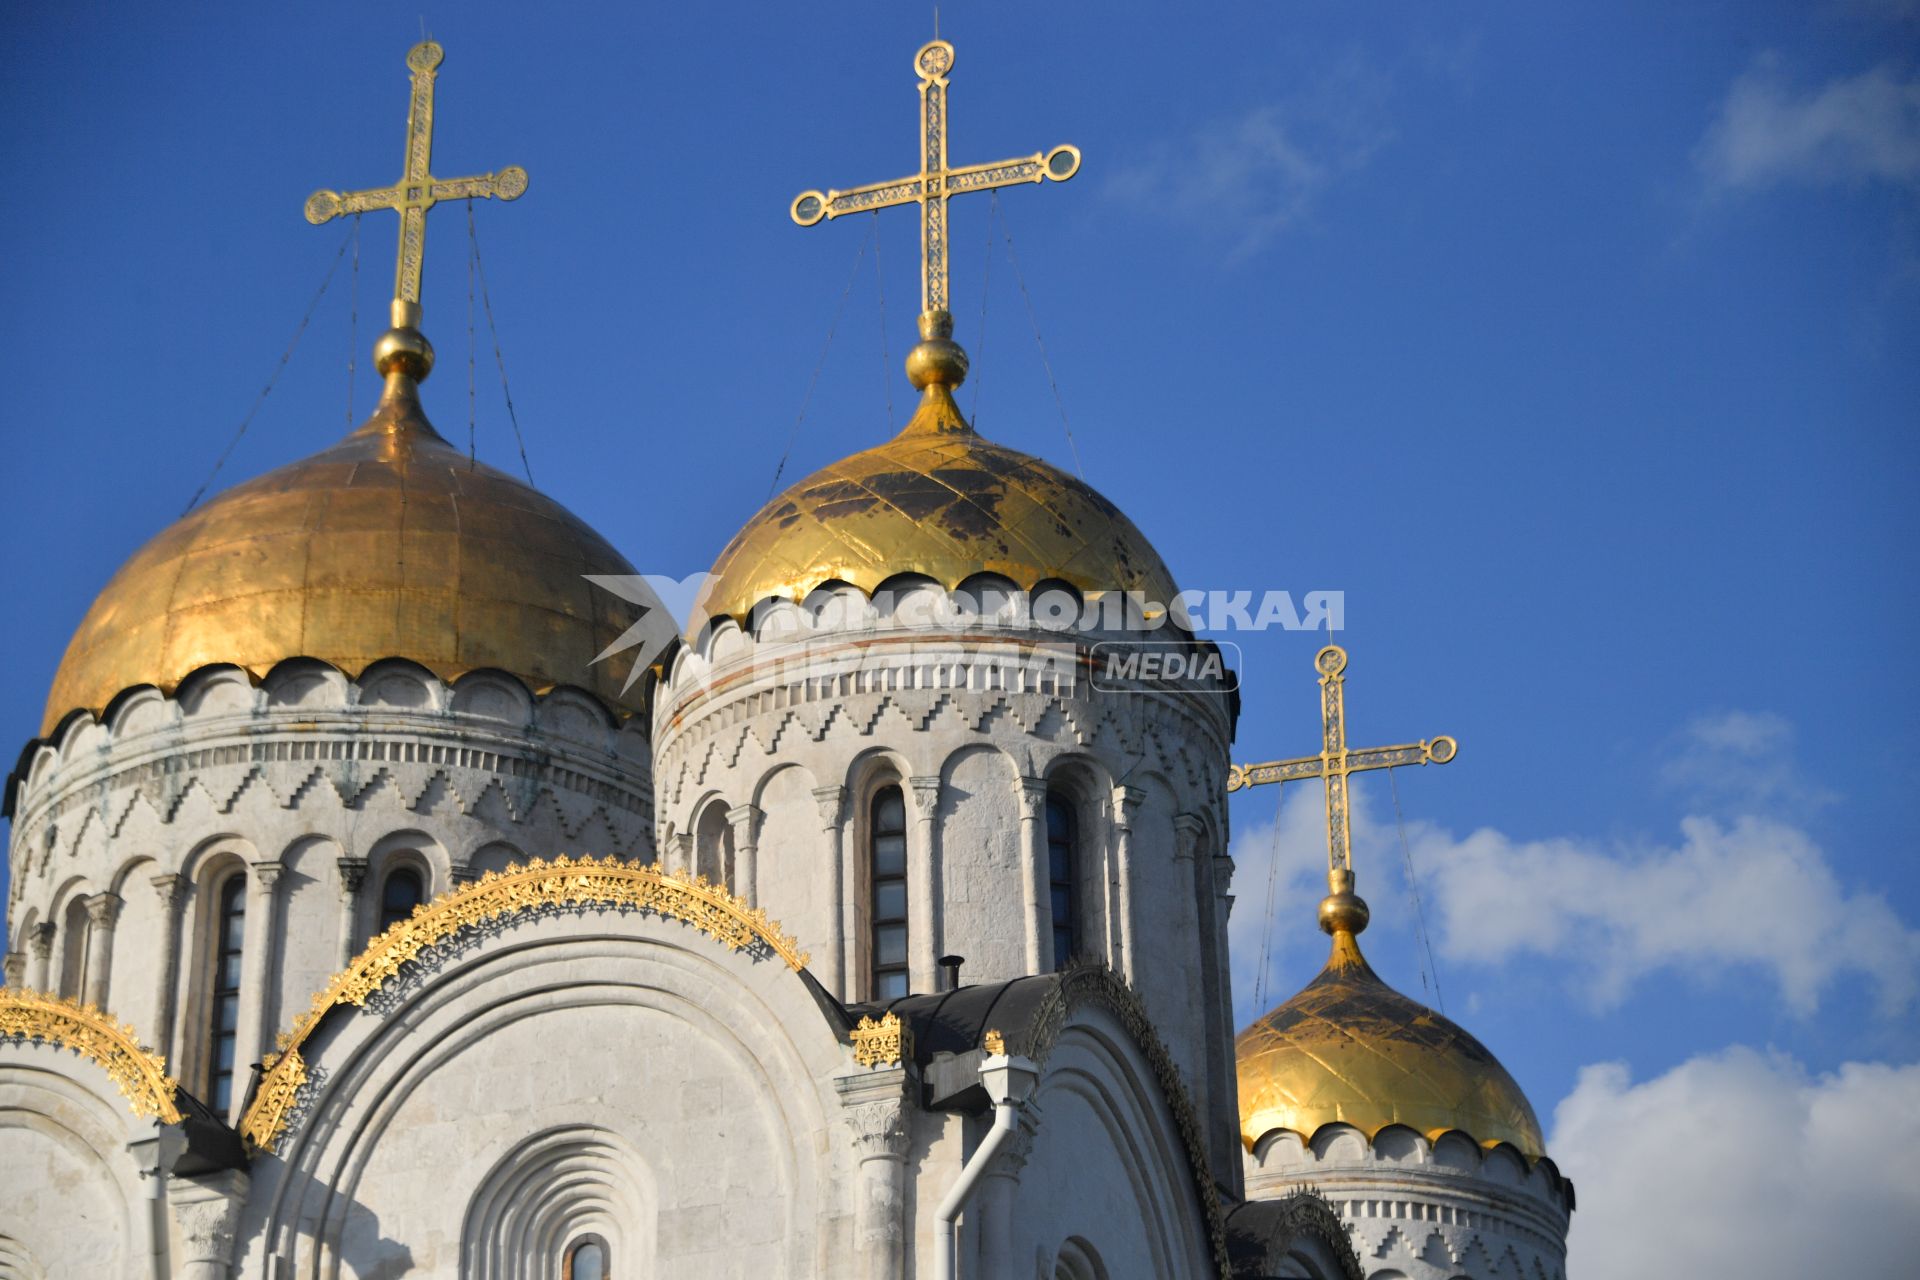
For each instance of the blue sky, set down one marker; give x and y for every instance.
(1577, 347)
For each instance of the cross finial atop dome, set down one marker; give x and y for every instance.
(403, 348)
(1342, 912)
(937, 360)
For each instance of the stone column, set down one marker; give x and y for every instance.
(837, 962)
(1191, 919)
(40, 955)
(207, 1211)
(16, 969)
(994, 1207)
(462, 876)
(353, 877)
(1036, 874)
(169, 890)
(681, 856)
(877, 1122)
(103, 913)
(746, 848)
(923, 886)
(259, 950)
(1126, 802)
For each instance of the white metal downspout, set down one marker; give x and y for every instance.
(1009, 1082)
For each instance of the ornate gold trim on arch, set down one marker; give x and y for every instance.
(141, 1075)
(564, 881)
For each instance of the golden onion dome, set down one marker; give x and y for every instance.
(939, 500)
(391, 543)
(1350, 1049)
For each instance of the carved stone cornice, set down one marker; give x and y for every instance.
(832, 802)
(1222, 874)
(353, 874)
(170, 887)
(745, 820)
(1032, 796)
(267, 873)
(103, 910)
(1187, 830)
(926, 796)
(879, 1130)
(478, 753)
(875, 1111)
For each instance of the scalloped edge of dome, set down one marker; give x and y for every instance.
(189, 698)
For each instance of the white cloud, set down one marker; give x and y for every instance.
(1857, 128)
(1740, 762)
(1754, 892)
(1739, 1164)
(1250, 176)
(1741, 888)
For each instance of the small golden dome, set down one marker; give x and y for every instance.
(1351, 1049)
(389, 544)
(939, 500)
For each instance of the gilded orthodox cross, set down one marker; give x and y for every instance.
(418, 190)
(935, 184)
(1336, 761)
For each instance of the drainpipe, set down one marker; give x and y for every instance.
(1009, 1083)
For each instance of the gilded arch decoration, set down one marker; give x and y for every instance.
(535, 885)
(140, 1075)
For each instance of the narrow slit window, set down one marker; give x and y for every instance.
(402, 892)
(230, 924)
(1060, 876)
(888, 828)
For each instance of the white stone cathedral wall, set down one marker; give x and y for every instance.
(277, 783)
(1103, 1175)
(1426, 1209)
(982, 873)
(590, 1071)
(71, 1198)
(970, 720)
(792, 854)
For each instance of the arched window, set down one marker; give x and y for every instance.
(401, 893)
(230, 932)
(1060, 876)
(586, 1260)
(73, 948)
(887, 832)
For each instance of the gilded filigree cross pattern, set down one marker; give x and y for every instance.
(418, 190)
(935, 184)
(1335, 761)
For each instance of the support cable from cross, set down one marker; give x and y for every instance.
(404, 348)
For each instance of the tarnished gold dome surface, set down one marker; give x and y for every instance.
(938, 500)
(1350, 1048)
(390, 544)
